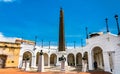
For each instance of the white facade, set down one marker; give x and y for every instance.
(117, 56)
(104, 49)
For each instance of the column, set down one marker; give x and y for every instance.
(33, 64)
(66, 63)
(90, 58)
(75, 60)
(48, 61)
(106, 61)
(27, 67)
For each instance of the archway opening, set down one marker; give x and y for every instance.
(53, 59)
(71, 60)
(27, 56)
(45, 59)
(98, 57)
(79, 59)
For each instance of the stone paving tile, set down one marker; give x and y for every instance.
(18, 71)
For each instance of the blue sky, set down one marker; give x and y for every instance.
(28, 18)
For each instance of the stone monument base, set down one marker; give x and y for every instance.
(59, 62)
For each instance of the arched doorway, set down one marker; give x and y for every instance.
(27, 56)
(3, 59)
(98, 57)
(78, 59)
(71, 60)
(53, 59)
(37, 58)
(45, 59)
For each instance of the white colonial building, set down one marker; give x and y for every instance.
(103, 48)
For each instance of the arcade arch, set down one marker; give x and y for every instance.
(27, 56)
(53, 59)
(45, 59)
(37, 58)
(78, 59)
(98, 57)
(71, 59)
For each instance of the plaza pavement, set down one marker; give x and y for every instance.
(18, 71)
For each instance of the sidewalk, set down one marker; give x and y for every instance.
(18, 71)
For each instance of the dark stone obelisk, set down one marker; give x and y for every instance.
(61, 46)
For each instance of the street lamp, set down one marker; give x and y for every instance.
(86, 32)
(74, 44)
(42, 44)
(35, 43)
(116, 17)
(107, 25)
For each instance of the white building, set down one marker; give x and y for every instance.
(103, 48)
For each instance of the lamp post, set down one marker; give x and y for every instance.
(49, 44)
(106, 20)
(86, 32)
(35, 43)
(81, 42)
(74, 44)
(42, 44)
(116, 17)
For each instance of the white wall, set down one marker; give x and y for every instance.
(107, 42)
(117, 58)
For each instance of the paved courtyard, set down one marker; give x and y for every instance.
(18, 71)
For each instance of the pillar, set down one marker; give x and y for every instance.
(48, 60)
(27, 67)
(75, 61)
(106, 61)
(90, 61)
(33, 64)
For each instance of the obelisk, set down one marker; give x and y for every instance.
(61, 46)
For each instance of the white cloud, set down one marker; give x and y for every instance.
(7, 1)
(7, 39)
